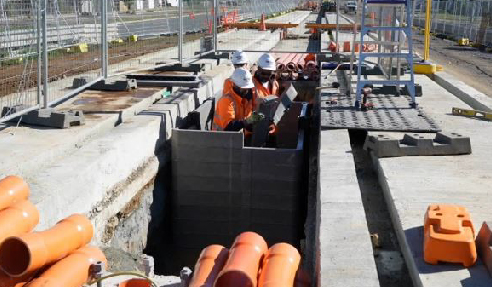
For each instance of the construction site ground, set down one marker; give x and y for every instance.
(367, 218)
(469, 64)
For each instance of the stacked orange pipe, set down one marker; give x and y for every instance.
(72, 271)
(245, 257)
(280, 266)
(208, 266)
(18, 219)
(12, 190)
(28, 252)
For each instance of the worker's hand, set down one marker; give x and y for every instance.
(254, 118)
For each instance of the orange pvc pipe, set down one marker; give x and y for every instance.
(28, 252)
(245, 257)
(72, 271)
(18, 219)
(280, 266)
(7, 281)
(135, 282)
(208, 266)
(12, 190)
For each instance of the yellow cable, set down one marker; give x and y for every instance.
(123, 273)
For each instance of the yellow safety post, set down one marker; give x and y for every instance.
(427, 30)
(425, 67)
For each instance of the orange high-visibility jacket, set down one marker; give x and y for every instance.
(231, 107)
(262, 92)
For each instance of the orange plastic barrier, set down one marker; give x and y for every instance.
(208, 266)
(449, 235)
(245, 257)
(18, 219)
(12, 190)
(484, 245)
(279, 266)
(72, 271)
(28, 252)
(135, 282)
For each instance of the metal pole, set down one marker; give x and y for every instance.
(45, 54)
(104, 38)
(180, 37)
(427, 30)
(215, 16)
(38, 6)
(445, 18)
(338, 15)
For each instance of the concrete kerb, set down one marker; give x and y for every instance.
(467, 94)
(396, 221)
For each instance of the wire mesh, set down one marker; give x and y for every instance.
(18, 55)
(456, 19)
(74, 44)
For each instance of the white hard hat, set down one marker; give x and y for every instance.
(242, 78)
(266, 62)
(239, 58)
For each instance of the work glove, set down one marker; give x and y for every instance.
(254, 118)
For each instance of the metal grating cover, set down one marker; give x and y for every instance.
(390, 113)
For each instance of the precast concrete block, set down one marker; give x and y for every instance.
(203, 116)
(47, 117)
(484, 245)
(224, 140)
(210, 198)
(269, 216)
(195, 152)
(383, 145)
(218, 184)
(274, 201)
(207, 169)
(114, 85)
(287, 132)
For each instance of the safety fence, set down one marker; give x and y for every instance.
(51, 49)
(458, 19)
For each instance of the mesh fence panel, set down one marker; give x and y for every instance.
(18, 54)
(74, 44)
(458, 19)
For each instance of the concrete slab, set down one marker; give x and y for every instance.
(342, 226)
(412, 183)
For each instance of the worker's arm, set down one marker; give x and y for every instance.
(225, 116)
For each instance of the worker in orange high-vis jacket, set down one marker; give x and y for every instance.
(240, 60)
(264, 78)
(235, 108)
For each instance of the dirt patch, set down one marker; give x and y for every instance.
(465, 63)
(392, 270)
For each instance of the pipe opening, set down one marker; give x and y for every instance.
(14, 257)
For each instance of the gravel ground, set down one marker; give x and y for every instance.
(465, 63)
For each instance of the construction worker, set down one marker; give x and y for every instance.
(240, 60)
(234, 110)
(264, 79)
